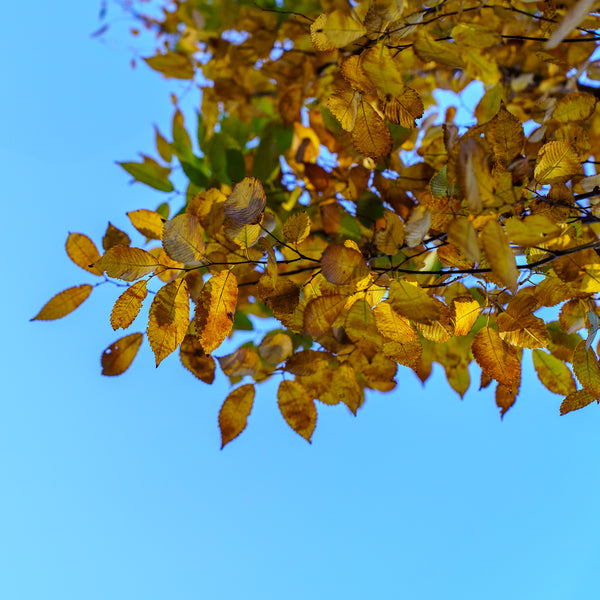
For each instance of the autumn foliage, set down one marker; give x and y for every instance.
(323, 189)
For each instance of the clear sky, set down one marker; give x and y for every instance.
(116, 487)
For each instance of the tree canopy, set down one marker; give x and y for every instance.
(323, 190)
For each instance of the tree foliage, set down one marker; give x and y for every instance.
(327, 192)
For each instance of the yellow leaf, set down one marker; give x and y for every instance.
(389, 234)
(343, 387)
(496, 358)
(412, 302)
(63, 303)
(402, 109)
(296, 228)
(169, 319)
(370, 135)
(499, 254)
(172, 64)
(556, 162)
(462, 234)
(343, 105)
(128, 305)
(245, 236)
(321, 312)
(480, 65)
(234, 413)
(147, 222)
(505, 134)
(118, 356)
(576, 106)
(215, 310)
(474, 177)
(553, 373)
(354, 74)
(476, 36)
(576, 400)
(127, 263)
(83, 252)
(183, 239)
(381, 68)
(297, 408)
(342, 265)
(194, 359)
(246, 203)
(276, 348)
(391, 325)
(404, 353)
(586, 368)
(427, 49)
(244, 361)
(466, 310)
(417, 226)
(532, 230)
(523, 332)
(335, 30)
(114, 237)
(360, 324)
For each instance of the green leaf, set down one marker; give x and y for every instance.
(236, 166)
(150, 173)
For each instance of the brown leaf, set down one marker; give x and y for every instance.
(234, 413)
(576, 400)
(114, 237)
(194, 359)
(587, 369)
(246, 202)
(119, 355)
(297, 408)
(370, 135)
(500, 255)
(495, 357)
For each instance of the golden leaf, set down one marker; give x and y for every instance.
(476, 36)
(417, 226)
(480, 65)
(194, 359)
(505, 134)
(383, 71)
(63, 303)
(342, 265)
(370, 135)
(296, 228)
(412, 302)
(321, 312)
(462, 234)
(127, 263)
(402, 109)
(119, 355)
(246, 203)
(83, 252)
(389, 234)
(427, 49)
(466, 311)
(147, 222)
(276, 348)
(128, 305)
(172, 64)
(556, 162)
(245, 236)
(335, 30)
(525, 331)
(243, 361)
(183, 239)
(215, 310)
(404, 353)
(576, 106)
(499, 254)
(586, 368)
(474, 177)
(297, 408)
(495, 357)
(576, 400)
(553, 373)
(531, 230)
(505, 398)
(169, 319)
(391, 325)
(353, 72)
(114, 237)
(343, 387)
(360, 324)
(343, 105)
(233, 416)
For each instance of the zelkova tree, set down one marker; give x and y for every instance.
(325, 195)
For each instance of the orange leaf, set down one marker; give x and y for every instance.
(234, 413)
(83, 252)
(169, 319)
(118, 356)
(128, 305)
(505, 398)
(215, 310)
(147, 222)
(127, 263)
(321, 312)
(63, 303)
(495, 357)
(297, 408)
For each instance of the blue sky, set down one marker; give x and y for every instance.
(116, 488)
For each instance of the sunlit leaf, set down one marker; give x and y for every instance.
(499, 254)
(335, 30)
(127, 263)
(83, 252)
(117, 358)
(183, 239)
(297, 408)
(586, 368)
(63, 303)
(557, 162)
(150, 173)
(147, 222)
(576, 400)
(495, 357)
(128, 305)
(234, 413)
(553, 373)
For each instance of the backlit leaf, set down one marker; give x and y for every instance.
(586, 368)
(246, 203)
(370, 135)
(117, 358)
(500, 255)
(215, 310)
(127, 263)
(343, 387)
(169, 319)
(466, 310)
(83, 252)
(335, 30)
(172, 64)
(344, 107)
(576, 400)
(576, 106)
(495, 357)
(234, 413)
(183, 239)
(63, 303)
(557, 162)
(392, 325)
(505, 398)
(505, 133)
(389, 235)
(297, 408)
(462, 234)
(553, 373)
(296, 228)
(413, 302)
(194, 359)
(128, 305)
(321, 312)
(150, 173)
(147, 222)
(342, 265)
